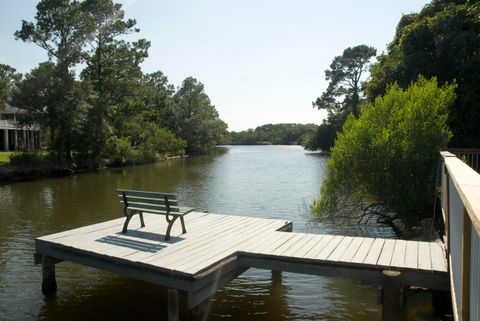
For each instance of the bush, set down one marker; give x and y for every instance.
(388, 154)
(146, 143)
(33, 160)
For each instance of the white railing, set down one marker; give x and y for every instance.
(471, 156)
(460, 196)
(12, 124)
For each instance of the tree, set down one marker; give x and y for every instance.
(343, 94)
(387, 156)
(61, 30)
(8, 79)
(345, 76)
(157, 95)
(112, 68)
(441, 41)
(197, 120)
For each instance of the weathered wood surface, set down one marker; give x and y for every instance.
(215, 241)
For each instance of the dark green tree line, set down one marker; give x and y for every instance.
(275, 134)
(442, 41)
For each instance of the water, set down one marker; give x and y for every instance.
(257, 181)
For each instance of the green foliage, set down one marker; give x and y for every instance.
(388, 154)
(145, 143)
(8, 79)
(61, 29)
(5, 157)
(114, 114)
(343, 93)
(276, 134)
(34, 162)
(323, 138)
(440, 41)
(197, 120)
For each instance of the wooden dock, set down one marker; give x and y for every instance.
(217, 248)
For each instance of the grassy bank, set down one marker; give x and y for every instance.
(15, 166)
(5, 157)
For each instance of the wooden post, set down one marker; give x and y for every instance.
(391, 295)
(5, 140)
(200, 311)
(447, 211)
(466, 255)
(49, 284)
(277, 277)
(173, 305)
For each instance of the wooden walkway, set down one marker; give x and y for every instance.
(217, 248)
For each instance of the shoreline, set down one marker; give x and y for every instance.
(11, 174)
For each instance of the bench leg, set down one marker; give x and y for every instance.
(125, 225)
(184, 230)
(169, 228)
(142, 223)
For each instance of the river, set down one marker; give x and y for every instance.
(258, 181)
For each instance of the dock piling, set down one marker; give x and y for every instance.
(173, 305)
(49, 284)
(391, 295)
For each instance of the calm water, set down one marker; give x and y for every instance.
(261, 181)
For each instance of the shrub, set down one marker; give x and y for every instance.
(388, 154)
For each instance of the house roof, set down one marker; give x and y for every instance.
(12, 110)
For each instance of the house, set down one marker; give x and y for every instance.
(13, 134)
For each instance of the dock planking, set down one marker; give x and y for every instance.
(219, 247)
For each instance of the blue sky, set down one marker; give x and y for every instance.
(261, 61)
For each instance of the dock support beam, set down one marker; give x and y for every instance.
(49, 284)
(391, 295)
(173, 305)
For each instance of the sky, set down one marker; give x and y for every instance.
(261, 61)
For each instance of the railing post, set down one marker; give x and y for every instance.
(446, 209)
(466, 255)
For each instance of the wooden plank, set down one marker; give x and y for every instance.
(315, 251)
(352, 249)
(201, 232)
(424, 257)
(437, 257)
(398, 257)
(363, 250)
(292, 251)
(466, 265)
(154, 224)
(236, 236)
(286, 245)
(374, 252)
(269, 247)
(146, 194)
(411, 255)
(191, 246)
(209, 256)
(137, 199)
(387, 253)
(155, 229)
(315, 239)
(329, 248)
(340, 249)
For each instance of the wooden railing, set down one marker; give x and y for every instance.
(460, 197)
(471, 156)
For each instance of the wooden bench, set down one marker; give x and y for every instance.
(139, 202)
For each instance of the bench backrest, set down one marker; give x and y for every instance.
(160, 202)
